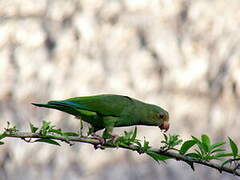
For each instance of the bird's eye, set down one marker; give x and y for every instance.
(161, 116)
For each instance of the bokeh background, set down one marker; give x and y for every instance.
(182, 55)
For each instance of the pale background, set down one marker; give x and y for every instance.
(182, 55)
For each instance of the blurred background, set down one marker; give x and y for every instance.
(182, 55)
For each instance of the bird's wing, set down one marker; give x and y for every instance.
(107, 105)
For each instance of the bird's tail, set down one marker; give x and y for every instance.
(52, 104)
(45, 105)
(59, 106)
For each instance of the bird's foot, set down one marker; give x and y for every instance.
(101, 140)
(114, 138)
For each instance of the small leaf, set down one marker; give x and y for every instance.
(214, 157)
(223, 154)
(170, 142)
(174, 140)
(56, 131)
(199, 144)
(213, 146)
(146, 145)
(196, 139)
(204, 147)
(158, 157)
(206, 140)
(134, 135)
(165, 137)
(50, 141)
(198, 152)
(186, 146)
(233, 147)
(217, 150)
(1, 143)
(177, 142)
(45, 125)
(139, 145)
(194, 155)
(70, 134)
(33, 128)
(3, 135)
(45, 128)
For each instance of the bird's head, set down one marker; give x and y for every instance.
(165, 125)
(160, 118)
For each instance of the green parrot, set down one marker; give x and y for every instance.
(109, 110)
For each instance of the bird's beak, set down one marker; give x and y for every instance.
(164, 126)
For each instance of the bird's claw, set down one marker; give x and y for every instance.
(113, 139)
(101, 140)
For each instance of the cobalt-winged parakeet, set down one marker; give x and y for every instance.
(110, 110)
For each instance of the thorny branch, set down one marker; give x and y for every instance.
(26, 136)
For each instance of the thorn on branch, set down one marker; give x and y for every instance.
(220, 171)
(27, 140)
(68, 142)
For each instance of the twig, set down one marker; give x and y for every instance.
(96, 143)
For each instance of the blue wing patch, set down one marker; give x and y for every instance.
(68, 104)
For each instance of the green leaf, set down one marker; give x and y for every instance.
(213, 146)
(233, 147)
(128, 138)
(198, 152)
(217, 150)
(223, 154)
(46, 140)
(200, 145)
(177, 142)
(194, 155)
(215, 157)
(46, 125)
(196, 139)
(1, 143)
(205, 142)
(134, 135)
(201, 150)
(186, 146)
(174, 140)
(138, 143)
(56, 131)
(127, 135)
(146, 145)
(3, 135)
(170, 141)
(33, 128)
(205, 147)
(165, 137)
(158, 157)
(70, 134)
